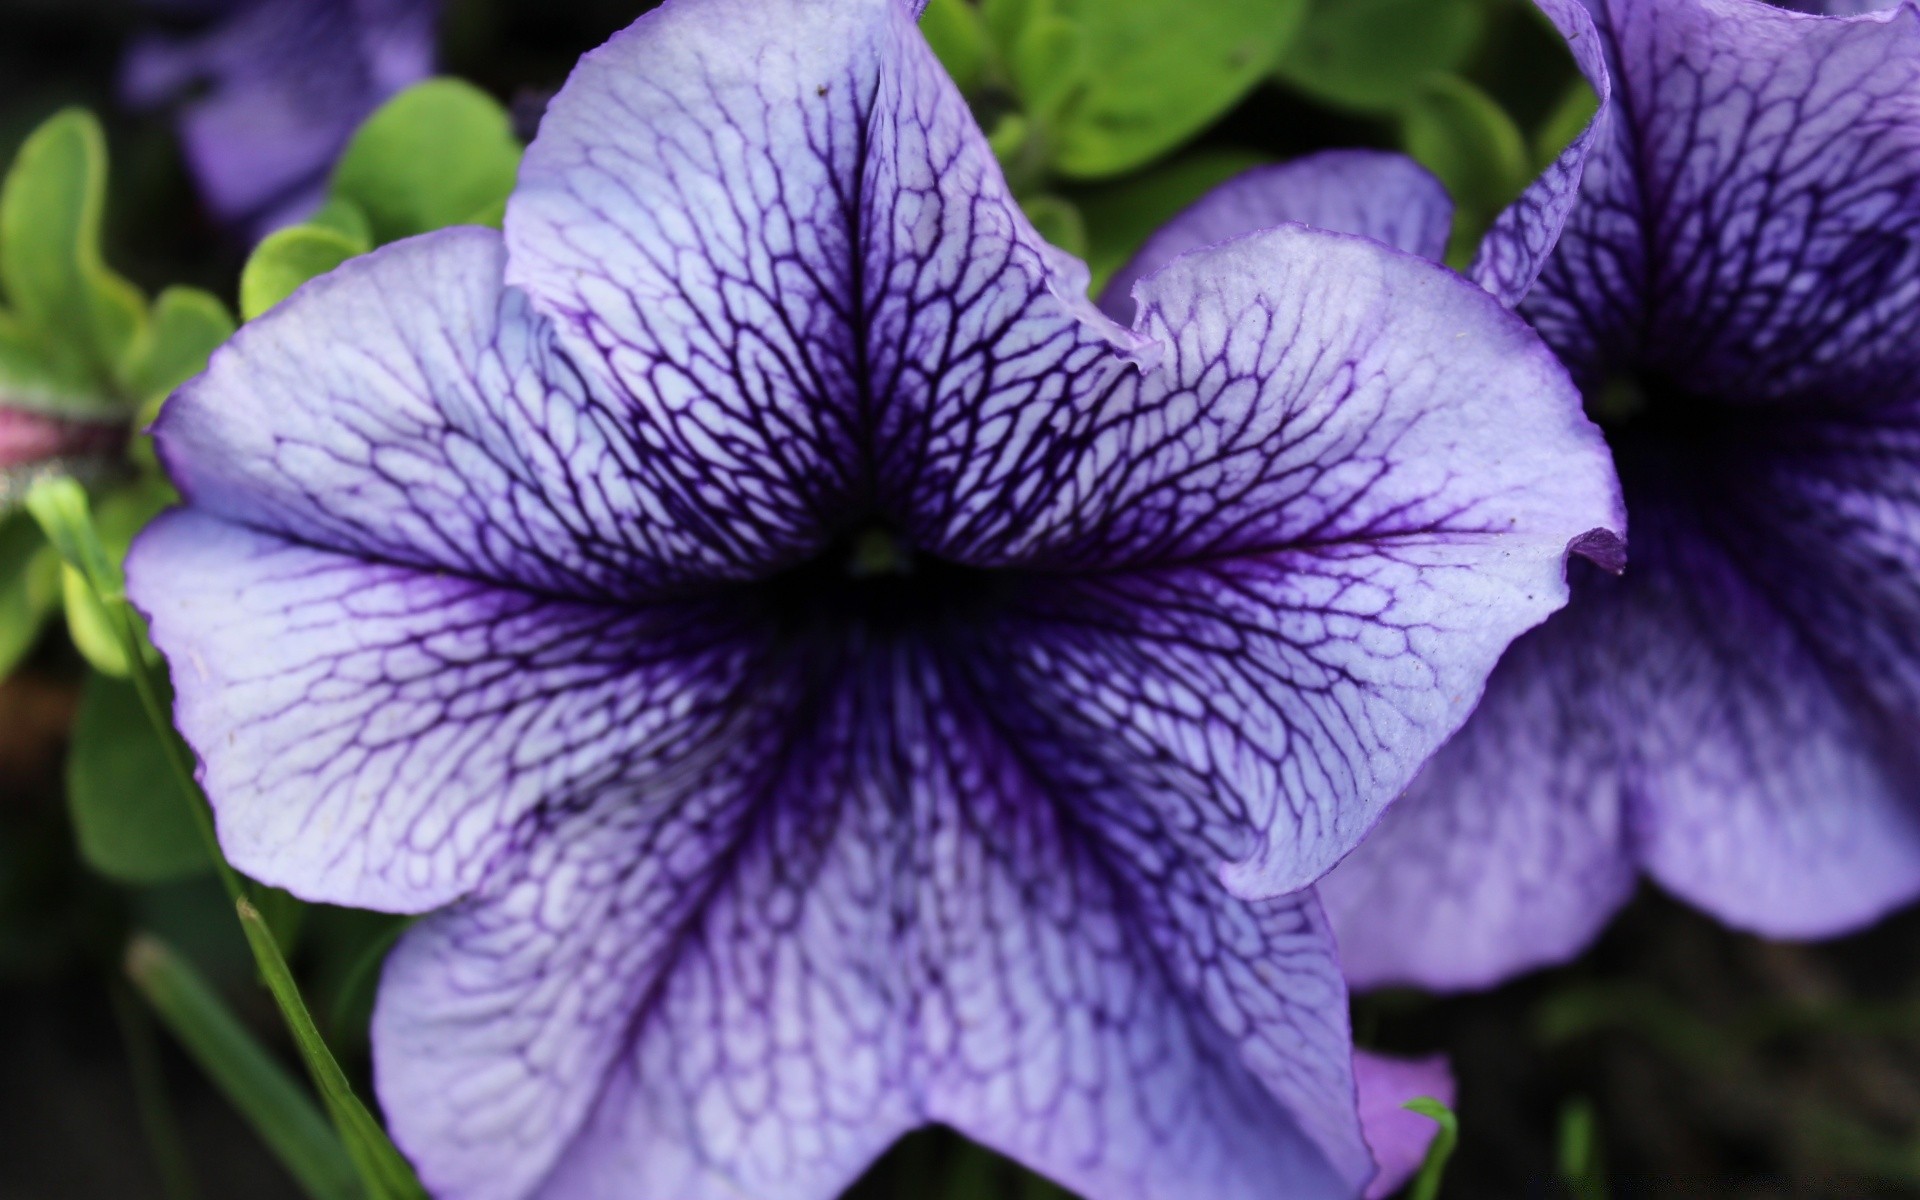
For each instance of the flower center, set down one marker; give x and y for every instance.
(874, 581)
(1644, 404)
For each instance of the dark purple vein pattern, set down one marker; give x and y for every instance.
(827, 676)
(1738, 293)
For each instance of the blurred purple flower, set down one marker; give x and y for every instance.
(1737, 290)
(831, 678)
(268, 91)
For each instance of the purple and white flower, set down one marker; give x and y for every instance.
(1737, 291)
(826, 675)
(267, 92)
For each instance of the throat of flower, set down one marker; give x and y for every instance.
(875, 552)
(1621, 399)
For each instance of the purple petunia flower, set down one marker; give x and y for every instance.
(268, 93)
(1737, 291)
(829, 676)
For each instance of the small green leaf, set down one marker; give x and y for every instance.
(1004, 19)
(1050, 67)
(344, 217)
(29, 587)
(96, 624)
(60, 506)
(187, 325)
(1121, 216)
(1146, 76)
(287, 258)
(130, 826)
(91, 625)
(86, 317)
(435, 155)
(1426, 1185)
(380, 1164)
(1373, 55)
(958, 34)
(260, 1089)
(1457, 131)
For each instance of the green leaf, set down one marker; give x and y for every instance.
(1456, 131)
(1146, 76)
(1058, 221)
(95, 624)
(1578, 1152)
(373, 1152)
(29, 587)
(130, 826)
(187, 325)
(1373, 55)
(87, 318)
(958, 34)
(287, 258)
(1426, 1185)
(1565, 123)
(344, 217)
(1121, 216)
(440, 153)
(260, 1089)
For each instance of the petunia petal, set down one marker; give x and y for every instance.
(1777, 676)
(377, 735)
(1510, 849)
(1351, 483)
(1749, 233)
(1522, 238)
(916, 913)
(1399, 1138)
(777, 228)
(407, 409)
(1387, 197)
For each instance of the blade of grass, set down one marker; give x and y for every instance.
(260, 1090)
(1426, 1185)
(380, 1163)
(59, 504)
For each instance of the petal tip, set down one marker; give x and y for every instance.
(1603, 548)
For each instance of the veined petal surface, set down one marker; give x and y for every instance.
(1350, 482)
(1735, 291)
(927, 907)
